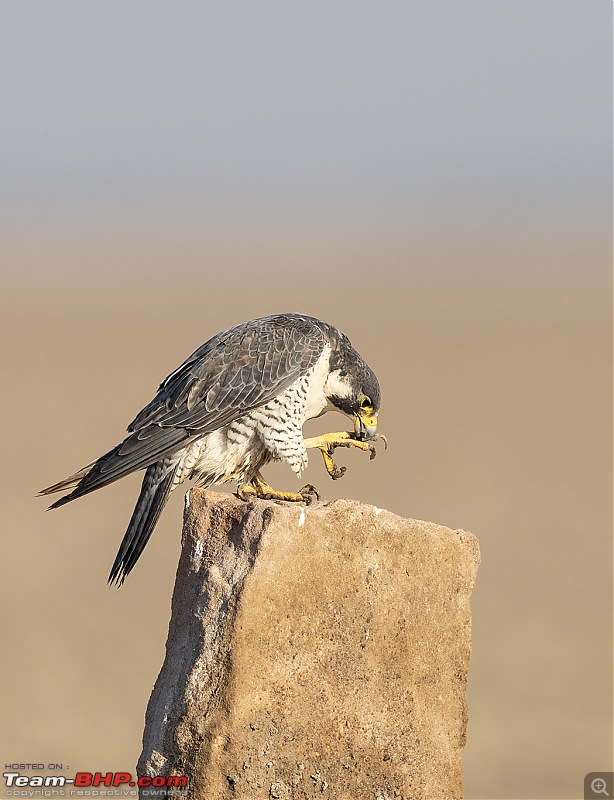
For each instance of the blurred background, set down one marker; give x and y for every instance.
(434, 178)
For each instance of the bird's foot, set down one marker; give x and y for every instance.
(258, 487)
(328, 442)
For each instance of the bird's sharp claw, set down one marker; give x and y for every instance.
(309, 494)
(377, 437)
(364, 445)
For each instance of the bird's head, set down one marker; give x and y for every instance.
(351, 387)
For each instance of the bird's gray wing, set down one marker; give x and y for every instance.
(234, 372)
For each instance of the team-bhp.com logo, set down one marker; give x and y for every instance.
(86, 784)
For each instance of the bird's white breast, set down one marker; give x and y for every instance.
(316, 400)
(271, 431)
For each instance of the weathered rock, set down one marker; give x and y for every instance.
(314, 652)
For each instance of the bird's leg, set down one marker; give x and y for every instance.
(327, 443)
(258, 487)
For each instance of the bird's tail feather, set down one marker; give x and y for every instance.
(157, 485)
(138, 451)
(68, 483)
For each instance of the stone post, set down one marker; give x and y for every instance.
(313, 651)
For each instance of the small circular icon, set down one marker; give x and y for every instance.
(599, 786)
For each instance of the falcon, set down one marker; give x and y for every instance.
(237, 403)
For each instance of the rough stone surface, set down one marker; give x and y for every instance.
(316, 651)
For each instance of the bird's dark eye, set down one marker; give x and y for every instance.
(365, 402)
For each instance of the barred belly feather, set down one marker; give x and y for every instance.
(271, 433)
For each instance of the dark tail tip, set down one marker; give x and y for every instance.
(157, 485)
(61, 502)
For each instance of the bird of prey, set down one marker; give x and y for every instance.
(237, 403)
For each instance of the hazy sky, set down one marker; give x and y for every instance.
(125, 103)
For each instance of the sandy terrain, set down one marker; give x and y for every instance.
(494, 361)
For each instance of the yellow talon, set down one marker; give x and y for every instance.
(258, 487)
(327, 442)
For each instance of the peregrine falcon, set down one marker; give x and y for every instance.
(237, 403)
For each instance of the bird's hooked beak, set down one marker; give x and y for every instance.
(365, 426)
